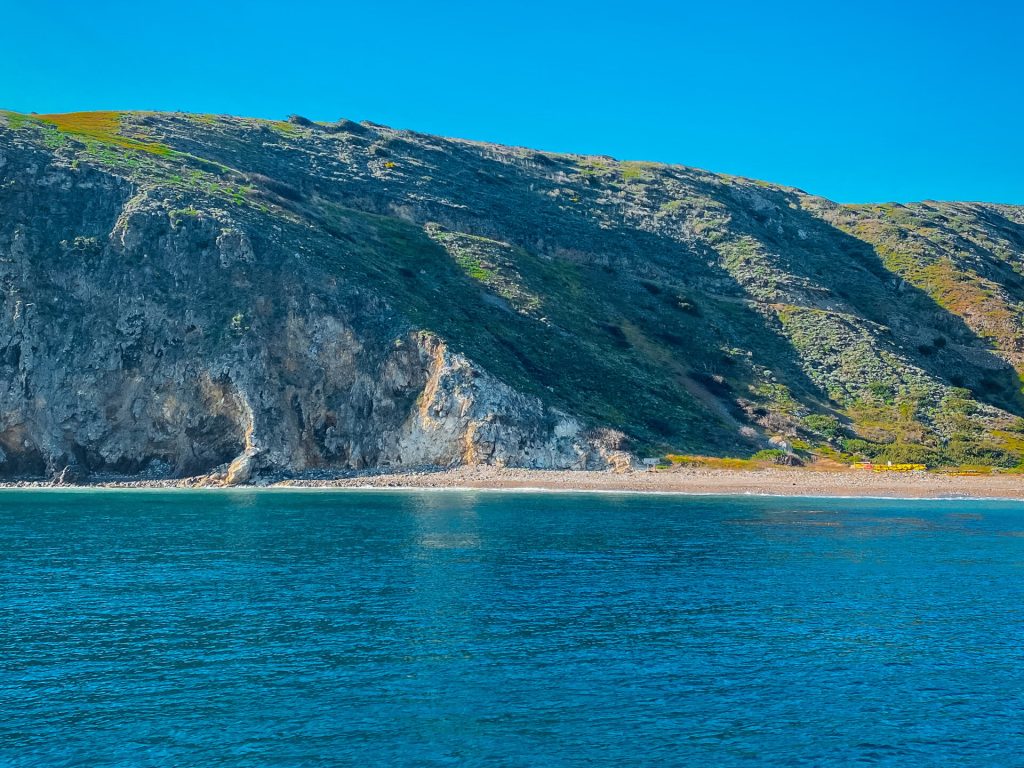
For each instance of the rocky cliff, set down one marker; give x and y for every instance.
(187, 294)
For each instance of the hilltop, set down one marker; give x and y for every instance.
(186, 294)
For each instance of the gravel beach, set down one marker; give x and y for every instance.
(769, 481)
(781, 482)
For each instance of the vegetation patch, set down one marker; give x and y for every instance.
(100, 127)
(711, 462)
(489, 262)
(15, 120)
(634, 171)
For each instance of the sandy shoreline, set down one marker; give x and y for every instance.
(768, 482)
(777, 482)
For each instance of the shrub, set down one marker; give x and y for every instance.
(714, 384)
(778, 456)
(860, 448)
(991, 385)
(618, 335)
(822, 424)
(672, 338)
(967, 452)
(908, 453)
(710, 462)
(881, 390)
(687, 305)
(652, 288)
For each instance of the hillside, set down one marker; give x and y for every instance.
(180, 292)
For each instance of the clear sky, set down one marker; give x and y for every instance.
(864, 101)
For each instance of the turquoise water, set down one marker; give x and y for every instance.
(451, 628)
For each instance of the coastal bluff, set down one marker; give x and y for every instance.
(189, 295)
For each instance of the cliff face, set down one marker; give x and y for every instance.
(185, 293)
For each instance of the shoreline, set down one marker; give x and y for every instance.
(803, 482)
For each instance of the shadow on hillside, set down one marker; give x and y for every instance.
(633, 333)
(619, 342)
(930, 336)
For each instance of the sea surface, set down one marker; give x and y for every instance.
(437, 628)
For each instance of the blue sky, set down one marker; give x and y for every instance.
(865, 101)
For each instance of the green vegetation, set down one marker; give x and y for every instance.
(824, 426)
(614, 373)
(286, 129)
(967, 280)
(633, 171)
(99, 128)
(15, 120)
(239, 324)
(490, 262)
(773, 455)
(594, 167)
(711, 462)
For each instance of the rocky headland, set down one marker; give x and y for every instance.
(236, 299)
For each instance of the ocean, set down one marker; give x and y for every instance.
(441, 628)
